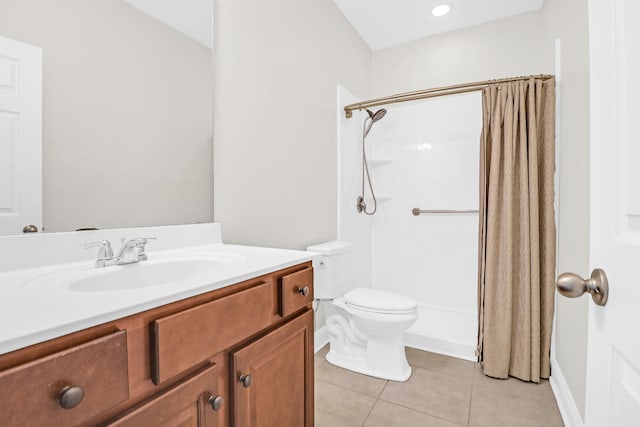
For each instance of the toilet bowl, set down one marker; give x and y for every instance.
(365, 325)
(366, 337)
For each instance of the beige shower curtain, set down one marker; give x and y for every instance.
(517, 229)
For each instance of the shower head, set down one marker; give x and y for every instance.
(377, 115)
(374, 118)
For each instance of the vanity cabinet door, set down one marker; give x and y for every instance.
(191, 403)
(272, 381)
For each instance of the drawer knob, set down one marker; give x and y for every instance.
(246, 380)
(304, 291)
(71, 396)
(216, 402)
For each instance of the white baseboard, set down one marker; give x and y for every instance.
(568, 409)
(435, 345)
(444, 330)
(320, 339)
(448, 348)
(439, 329)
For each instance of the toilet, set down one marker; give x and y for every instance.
(365, 325)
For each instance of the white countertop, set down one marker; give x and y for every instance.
(35, 307)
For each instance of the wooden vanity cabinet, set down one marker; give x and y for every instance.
(238, 356)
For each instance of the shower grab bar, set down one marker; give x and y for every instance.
(418, 211)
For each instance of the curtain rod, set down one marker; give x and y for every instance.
(434, 92)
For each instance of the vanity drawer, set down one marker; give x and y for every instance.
(32, 394)
(295, 290)
(185, 339)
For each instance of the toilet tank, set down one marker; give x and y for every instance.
(332, 271)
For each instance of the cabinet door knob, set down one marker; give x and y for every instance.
(216, 402)
(304, 291)
(246, 380)
(71, 396)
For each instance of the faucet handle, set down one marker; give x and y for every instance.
(105, 253)
(137, 240)
(105, 248)
(144, 240)
(140, 243)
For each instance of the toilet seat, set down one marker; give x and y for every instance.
(381, 302)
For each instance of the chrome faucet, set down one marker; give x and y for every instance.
(131, 251)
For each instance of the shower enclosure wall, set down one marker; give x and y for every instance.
(424, 155)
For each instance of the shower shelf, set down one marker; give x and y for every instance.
(379, 162)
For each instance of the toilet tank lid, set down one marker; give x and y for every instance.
(379, 300)
(330, 248)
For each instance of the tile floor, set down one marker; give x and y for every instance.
(442, 392)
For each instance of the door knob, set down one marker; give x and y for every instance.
(571, 285)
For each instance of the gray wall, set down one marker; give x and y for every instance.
(126, 114)
(276, 67)
(568, 20)
(509, 47)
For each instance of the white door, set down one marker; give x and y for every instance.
(20, 136)
(613, 359)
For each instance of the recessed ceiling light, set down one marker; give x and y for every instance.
(441, 9)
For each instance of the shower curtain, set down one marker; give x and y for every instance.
(517, 229)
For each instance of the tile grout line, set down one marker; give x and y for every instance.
(428, 413)
(443, 373)
(353, 389)
(473, 380)
(378, 397)
(386, 383)
(369, 413)
(379, 394)
(420, 412)
(345, 388)
(375, 403)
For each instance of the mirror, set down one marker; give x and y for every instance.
(126, 109)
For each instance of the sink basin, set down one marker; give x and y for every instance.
(143, 275)
(139, 275)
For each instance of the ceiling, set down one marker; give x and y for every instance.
(387, 23)
(193, 18)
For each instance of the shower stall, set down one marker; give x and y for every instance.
(422, 157)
